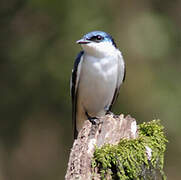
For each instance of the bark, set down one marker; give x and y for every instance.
(108, 130)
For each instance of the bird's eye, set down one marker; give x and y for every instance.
(99, 37)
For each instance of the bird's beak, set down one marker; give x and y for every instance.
(83, 41)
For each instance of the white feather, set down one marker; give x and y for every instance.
(99, 73)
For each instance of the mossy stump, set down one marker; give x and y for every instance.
(116, 148)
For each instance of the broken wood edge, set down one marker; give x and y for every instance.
(110, 130)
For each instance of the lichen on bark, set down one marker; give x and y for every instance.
(140, 158)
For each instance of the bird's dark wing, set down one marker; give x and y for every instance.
(74, 88)
(120, 79)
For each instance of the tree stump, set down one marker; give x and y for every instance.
(101, 151)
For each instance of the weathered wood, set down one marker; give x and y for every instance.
(110, 130)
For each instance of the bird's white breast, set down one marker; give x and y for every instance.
(97, 83)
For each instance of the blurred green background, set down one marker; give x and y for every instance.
(37, 51)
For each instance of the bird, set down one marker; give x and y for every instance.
(98, 72)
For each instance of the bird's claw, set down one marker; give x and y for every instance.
(109, 113)
(94, 120)
(112, 114)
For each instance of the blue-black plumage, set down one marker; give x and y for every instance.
(99, 71)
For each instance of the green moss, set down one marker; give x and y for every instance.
(128, 159)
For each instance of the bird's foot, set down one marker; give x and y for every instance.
(112, 114)
(93, 120)
(109, 113)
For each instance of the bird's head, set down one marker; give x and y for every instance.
(97, 43)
